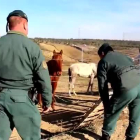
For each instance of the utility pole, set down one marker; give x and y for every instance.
(123, 36)
(82, 46)
(82, 54)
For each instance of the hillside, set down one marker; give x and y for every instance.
(91, 42)
(70, 54)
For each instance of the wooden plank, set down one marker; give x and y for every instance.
(94, 111)
(87, 114)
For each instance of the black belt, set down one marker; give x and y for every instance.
(127, 69)
(32, 93)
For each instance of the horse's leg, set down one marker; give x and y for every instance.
(91, 84)
(73, 82)
(54, 85)
(70, 81)
(39, 96)
(70, 88)
(71, 85)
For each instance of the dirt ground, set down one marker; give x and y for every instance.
(67, 116)
(70, 110)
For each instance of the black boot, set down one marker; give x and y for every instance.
(105, 137)
(128, 138)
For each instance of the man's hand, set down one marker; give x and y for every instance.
(46, 109)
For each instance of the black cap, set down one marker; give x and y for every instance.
(18, 13)
(105, 48)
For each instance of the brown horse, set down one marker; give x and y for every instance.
(55, 71)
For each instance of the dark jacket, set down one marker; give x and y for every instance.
(118, 70)
(21, 61)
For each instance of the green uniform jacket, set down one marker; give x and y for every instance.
(119, 71)
(21, 62)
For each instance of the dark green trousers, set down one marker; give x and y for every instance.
(117, 103)
(17, 110)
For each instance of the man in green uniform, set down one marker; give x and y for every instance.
(120, 72)
(21, 64)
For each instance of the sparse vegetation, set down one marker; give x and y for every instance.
(91, 42)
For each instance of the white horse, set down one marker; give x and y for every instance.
(87, 70)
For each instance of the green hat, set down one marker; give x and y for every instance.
(18, 13)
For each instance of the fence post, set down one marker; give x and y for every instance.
(82, 55)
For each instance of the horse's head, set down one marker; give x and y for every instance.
(57, 57)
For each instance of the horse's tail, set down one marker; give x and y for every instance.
(69, 73)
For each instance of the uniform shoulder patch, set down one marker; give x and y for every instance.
(44, 64)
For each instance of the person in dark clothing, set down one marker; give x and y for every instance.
(21, 61)
(120, 71)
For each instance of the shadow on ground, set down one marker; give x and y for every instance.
(69, 113)
(79, 134)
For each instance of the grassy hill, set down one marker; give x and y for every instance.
(70, 54)
(91, 42)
